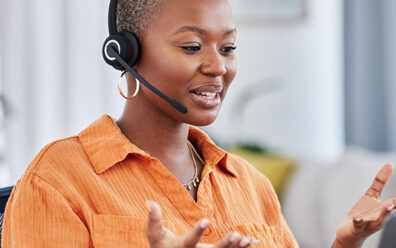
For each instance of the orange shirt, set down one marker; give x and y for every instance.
(90, 191)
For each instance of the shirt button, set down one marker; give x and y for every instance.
(207, 232)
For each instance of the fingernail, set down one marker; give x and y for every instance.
(358, 219)
(148, 204)
(390, 208)
(244, 242)
(204, 223)
(234, 237)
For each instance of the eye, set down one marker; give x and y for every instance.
(191, 49)
(228, 50)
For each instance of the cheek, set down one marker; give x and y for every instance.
(231, 72)
(167, 70)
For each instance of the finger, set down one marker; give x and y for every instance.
(380, 180)
(247, 242)
(154, 225)
(230, 240)
(255, 241)
(201, 245)
(385, 210)
(194, 236)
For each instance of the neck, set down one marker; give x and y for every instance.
(162, 137)
(154, 131)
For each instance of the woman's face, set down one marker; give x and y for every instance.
(188, 54)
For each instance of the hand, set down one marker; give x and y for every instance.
(367, 215)
(160, 237)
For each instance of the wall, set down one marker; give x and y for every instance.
(302, 112)
(58, 96)
(370, 42)
(54, 76)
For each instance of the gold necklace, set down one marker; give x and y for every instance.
(195, 180)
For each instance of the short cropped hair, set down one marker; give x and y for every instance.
(135, 15)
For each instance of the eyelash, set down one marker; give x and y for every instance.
(229, 50)
(195, 49)
(191, 49)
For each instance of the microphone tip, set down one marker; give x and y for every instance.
(180, 107)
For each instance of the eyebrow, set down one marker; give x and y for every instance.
(199, 30)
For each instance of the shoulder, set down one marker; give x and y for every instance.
(251, 179)
(61, 171)
(253, 184)
(246, 170)
(55, 151)
(61, 158)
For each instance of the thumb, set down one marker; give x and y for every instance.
(359, 224)
(154, 229)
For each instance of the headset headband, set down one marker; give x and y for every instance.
(113, 17)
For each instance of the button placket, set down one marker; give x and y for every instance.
(177, 195)
(205, 196)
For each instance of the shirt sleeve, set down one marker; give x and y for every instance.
(37, 215)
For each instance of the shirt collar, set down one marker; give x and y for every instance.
(103, 136)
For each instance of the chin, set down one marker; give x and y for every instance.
(202, 118)
(202, 123)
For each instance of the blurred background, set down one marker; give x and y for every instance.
(312, 105)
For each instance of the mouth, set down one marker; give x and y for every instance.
(207, 96)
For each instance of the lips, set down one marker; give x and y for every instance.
(207, 96)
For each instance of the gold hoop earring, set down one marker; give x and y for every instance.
(122, 93)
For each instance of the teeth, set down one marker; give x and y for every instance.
(207, 94)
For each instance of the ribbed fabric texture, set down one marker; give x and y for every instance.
(90, 191)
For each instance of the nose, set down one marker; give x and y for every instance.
(213, 64)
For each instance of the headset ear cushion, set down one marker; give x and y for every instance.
(134, 50)
(122, 45)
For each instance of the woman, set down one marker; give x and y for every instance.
(104, 187)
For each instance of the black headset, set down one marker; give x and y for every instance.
(122, 49)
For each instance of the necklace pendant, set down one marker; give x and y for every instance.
(194, 184)
(189, 187)
(197, 180)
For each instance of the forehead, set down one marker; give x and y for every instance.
(210, 15)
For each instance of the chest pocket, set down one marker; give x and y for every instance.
(119, 231)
